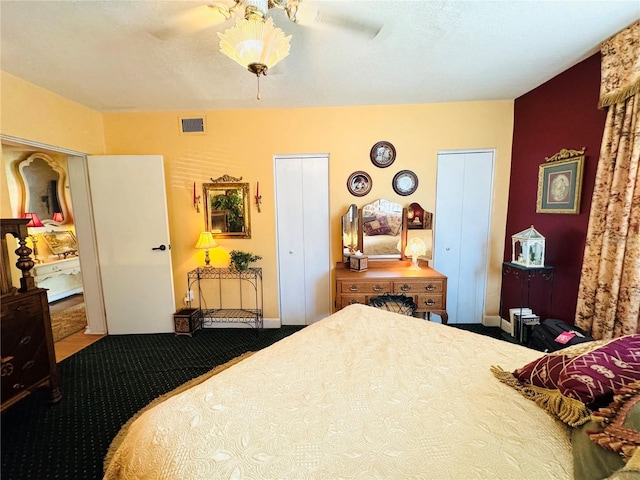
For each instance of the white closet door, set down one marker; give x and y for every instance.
(302, 209)
(463, 210)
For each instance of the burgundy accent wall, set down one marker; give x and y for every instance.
(561, 113)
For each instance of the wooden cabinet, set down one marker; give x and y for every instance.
(427, 287)
(28, 355)
(26, 340)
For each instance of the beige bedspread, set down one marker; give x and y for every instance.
(364, 393)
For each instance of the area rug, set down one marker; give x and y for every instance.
(117, 441)
(68, 321)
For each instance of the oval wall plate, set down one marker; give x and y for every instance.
(405, 182)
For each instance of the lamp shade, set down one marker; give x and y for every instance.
(58, 217)
(34, 220)
(415, 248)
(255, 42)
(205, 240)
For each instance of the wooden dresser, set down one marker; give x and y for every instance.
(26, 340)
(427, 287)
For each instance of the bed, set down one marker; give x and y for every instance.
(363, 393)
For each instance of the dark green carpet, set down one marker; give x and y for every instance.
(103, 386)
(107, 383)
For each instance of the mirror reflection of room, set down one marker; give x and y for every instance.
(227, 207)
(382, 229)
(350, 231)
(420, 226)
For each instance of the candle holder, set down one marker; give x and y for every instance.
(196, 203)
(258, 197)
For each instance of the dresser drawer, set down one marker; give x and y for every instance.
(429, 302)
(347, 299)
(366, 287)
(416, 287)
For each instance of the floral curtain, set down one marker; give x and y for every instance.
(609, 293)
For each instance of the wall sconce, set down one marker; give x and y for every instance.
(196, 199)
(34, 221)
(415, 248)
(206, 241)
(258, 196)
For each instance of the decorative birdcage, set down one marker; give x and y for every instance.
(527, 248)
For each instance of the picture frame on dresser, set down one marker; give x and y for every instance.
(62, 243)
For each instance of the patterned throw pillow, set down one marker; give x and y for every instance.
(570, 382)
(395, 223)
(379, 226)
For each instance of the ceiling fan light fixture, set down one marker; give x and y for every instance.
(255, 42)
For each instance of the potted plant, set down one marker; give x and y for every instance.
(240, 260)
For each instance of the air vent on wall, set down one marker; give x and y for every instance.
(192, 125)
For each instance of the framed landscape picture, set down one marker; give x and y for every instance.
(61, 242)
(560, 183)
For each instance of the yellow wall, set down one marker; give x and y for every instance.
(242, 143)
(33, 113)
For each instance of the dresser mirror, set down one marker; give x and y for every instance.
(420, 225)
(382, 230)
(226, 207)
(43, 181)
(350, 231)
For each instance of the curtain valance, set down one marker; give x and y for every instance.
(620, 66)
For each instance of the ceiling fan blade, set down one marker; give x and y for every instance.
(195, 19)
(355, 25)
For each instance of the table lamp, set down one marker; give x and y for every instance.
(415, 248)
(34, 221)
(206, 241)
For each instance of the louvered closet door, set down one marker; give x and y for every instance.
(302, 210)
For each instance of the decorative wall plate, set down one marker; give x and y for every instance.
(359, 183)
(405, 182)
(382, 154)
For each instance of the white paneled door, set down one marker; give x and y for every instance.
(302, 209)
(128, 196)
(461, 230)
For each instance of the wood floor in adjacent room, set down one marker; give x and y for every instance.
(73, 343)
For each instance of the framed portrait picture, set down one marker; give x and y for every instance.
(359, 183)
(560, 183)
(382, 154)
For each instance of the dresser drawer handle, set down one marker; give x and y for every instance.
(29, 364)
(353, 302)
(25, 340)
(18, 386)
(430, 287)
(377, 288)
(6, 369)
(354, 288)
(430, 302)
(405, 288)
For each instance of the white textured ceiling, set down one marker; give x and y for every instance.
(116, 56)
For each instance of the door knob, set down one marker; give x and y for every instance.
(161, 247)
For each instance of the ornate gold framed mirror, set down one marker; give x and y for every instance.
(226, 207)
(43, 181)
(382, 230)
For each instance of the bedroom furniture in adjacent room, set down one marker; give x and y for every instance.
(27, 351)
(427, 287)
(222, 298)
(525, 275)
(61, 278)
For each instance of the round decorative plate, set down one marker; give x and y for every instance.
(382, 154)
(405, 182)
(359, 183)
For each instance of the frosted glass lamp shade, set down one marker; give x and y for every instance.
(255, 42)
(415, 248)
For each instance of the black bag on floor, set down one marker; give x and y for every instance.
(554, 334)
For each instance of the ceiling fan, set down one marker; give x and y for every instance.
(209, 15)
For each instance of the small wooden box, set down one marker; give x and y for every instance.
(187, 321)
(358, 263)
